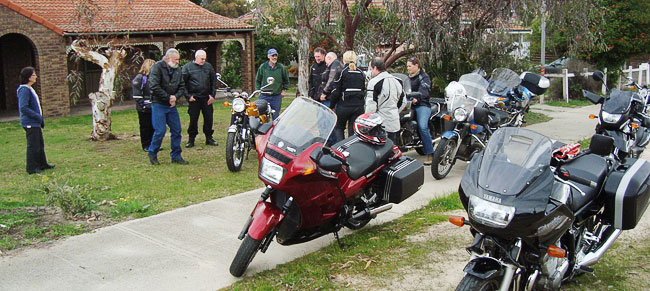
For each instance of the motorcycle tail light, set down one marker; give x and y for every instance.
(592, 116)
(457, 220)
(555, 252)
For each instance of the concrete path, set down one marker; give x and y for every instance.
(191, 248)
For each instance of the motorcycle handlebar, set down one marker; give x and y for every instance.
(567, 176)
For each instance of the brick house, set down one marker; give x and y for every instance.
(38, 33)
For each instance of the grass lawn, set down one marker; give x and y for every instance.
(535, 117)
(572, 103)
(114, 178)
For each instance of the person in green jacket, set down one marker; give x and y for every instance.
(274, 93)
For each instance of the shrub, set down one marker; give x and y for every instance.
(73, 200)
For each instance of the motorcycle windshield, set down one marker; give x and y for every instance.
(475, 85)
(502, 80)
(618, 101)
(513, 158)
(302, 124)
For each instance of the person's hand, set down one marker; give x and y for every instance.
(192, 99)
(210, 100)
(172, 101)
(284, 92)
(414, 101)
(322, 97)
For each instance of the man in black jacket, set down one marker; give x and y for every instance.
(200, 83)
(166, 83)
(316, 73)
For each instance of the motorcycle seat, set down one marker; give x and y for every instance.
(591, 167)
(364, 157)
(497, 117)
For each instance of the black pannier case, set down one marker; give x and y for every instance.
(532, 82)
(626, 194)
(399, 180)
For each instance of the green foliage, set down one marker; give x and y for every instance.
(129, 205)
(73, 200)
(264, 40)
(228, 8)
(231, 60)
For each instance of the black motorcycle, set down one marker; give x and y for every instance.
(622, 116)
(513, 93)
(241, 139)
(539, 221)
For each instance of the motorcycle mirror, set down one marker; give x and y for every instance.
(218, 76)
(598, 76)
(270, 80)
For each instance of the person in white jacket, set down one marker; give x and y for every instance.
(385, 96)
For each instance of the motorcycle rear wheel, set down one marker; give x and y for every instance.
(420, 151)
(244, 256)
(234, 151)
(442, 159)
(471, 283)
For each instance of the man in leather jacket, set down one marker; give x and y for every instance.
(200, 82)
(316, 72)
(166, 83)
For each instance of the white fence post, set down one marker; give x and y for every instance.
(565, 84)
(604, 89)
(646, 67)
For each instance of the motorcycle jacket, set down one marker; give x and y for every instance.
(385, 95)
(315, 75)
(421, 83)
(141, 92)
(200, 81)
(327, 80)
(348, 88)
(165, 81)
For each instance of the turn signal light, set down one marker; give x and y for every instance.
(501, 99)
(473, 127)
(592, 116)
(226, 104)
(556, 252)
(634, 125)
(447, 117)
(457, 220)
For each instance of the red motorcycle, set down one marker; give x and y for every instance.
(315, 190)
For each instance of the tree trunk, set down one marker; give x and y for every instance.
(303, 61)
(103, 99)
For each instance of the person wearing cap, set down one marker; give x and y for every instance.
(273, 93)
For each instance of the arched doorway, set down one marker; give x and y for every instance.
(16, 52)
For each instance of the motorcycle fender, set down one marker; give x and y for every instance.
(450, 135)
(484, 268)
(265, 218)
(232, 128)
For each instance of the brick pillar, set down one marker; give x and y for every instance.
(248, 63)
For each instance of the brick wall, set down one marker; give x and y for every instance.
(50, 58)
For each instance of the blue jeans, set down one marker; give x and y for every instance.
(332, 139)
(161, 116)
(423, 113)
(275, 101)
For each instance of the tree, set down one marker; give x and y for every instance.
(228, 8)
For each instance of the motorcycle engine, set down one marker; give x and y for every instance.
(553, 270)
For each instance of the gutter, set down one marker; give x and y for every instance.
(158, 32)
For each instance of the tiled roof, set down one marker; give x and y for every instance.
(122, 16)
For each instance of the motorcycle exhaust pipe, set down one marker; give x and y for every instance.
(593, 257)
(381, 209)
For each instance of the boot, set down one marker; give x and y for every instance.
(190, 143)
(429, 160)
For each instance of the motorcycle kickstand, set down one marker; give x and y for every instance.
(338, 240)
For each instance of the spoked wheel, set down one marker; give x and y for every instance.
(244, 256)
(443, 158)
(234, 151)
(471, 283)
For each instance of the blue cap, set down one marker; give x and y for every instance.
(272, 51)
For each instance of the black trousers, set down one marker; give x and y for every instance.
(346, 115)
(394, 136)
(146, 128)
(36, 159)
(200, 105)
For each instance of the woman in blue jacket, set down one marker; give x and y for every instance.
(31, 119)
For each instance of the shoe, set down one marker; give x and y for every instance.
(154, 160)
(48, 166)
(190, 144)
(180, 161)
(145, 149)
(37, 171)
(211, 142)
(429, 160)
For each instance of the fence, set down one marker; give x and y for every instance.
(643, 78)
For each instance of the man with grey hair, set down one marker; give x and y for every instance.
(166, 83)
(333, 67)
(201, 85)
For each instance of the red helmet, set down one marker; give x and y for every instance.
(367, 127)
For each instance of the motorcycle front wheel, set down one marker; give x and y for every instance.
(234, 151)
(471, 283)
(443, 160)
(244, 256)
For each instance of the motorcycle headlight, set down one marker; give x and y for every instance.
(460, 114)
(271, 171)
(238, 104)
(611, 118)
(489, 213)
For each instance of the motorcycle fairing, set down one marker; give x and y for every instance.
(265, 217)
(502, 81)
(618, 102)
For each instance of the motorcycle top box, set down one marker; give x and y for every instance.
(626, 193)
